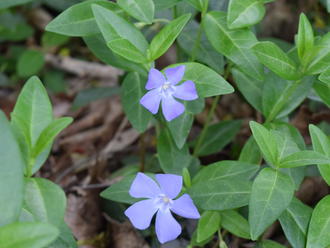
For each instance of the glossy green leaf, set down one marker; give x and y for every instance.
(10, 3)
(131, 92)
(30, 63)
(165, 38)
(325, 76)
(27, 234)
(302, 158)
(218, 136)
(142, 10)
(172, 159)
(97, 45)
(221, 194)
(266, 142)
(65, 238)
(165, 4)
(269, 244)
(250, 152)
(127, 50)
(78, 20)
(321, 144)
(323, 91)
(272, 192)
(207, 81)
(50, 39)
(321, 56)
(235, 223)
(205, 52)
(114, 27)
(119, 191)
(197, 4)
(45, 201)
(245, 13)
(226, 170)
(276, 60)
(11, 174)
(234, 44)
(305, 38)
(49, 134)
(180, 128)
(250, 87)
(319, 226)
(294, 221)
(31, 115)
(208, 224)
(275, 104)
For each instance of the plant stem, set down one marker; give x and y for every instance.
(142, 151)
(284, 99)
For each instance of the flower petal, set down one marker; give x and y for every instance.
(144, 187)
(171, 108)
(186, 91)
(175, 74)
(170, 184)
(185, 207)
(138, 215)
(151, 101)
(155, 79)
(167, 228)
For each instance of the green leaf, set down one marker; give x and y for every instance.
(208, 82)
(165, 38)
(325, 76)
(272, 192)
(305, 38)
(321, 144)
(269, 244)
(45, 201)
(142, 10)
(319, 226)
(302, 158)
(199, 5)
(205, 52)
(65, 239)
(294, 221)
(250, 152)
(235, 223)
(321, 56)
(114, 27)
(323, 91)
(132, 91)
(276, 60)
(172, 159)
(245, 13)
(250, 87)
(11, 174)
(86, 96)
(30, 63)
(127, 50)
(49, 134)
(31, 115)
(226, 170)
(218, 136)
(274, 102)
(4, 4)
(208, 224)
(97, 45)
(180, 128)
(119, 191)
(50, 39)
(78, 20)
(234, 44)
(28, 234)
(266, 142)
(221, 194)
(165, 4)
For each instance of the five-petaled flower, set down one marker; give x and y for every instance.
(164, 90)
(161, 201)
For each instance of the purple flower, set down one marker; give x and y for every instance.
(165, 90)
(161, 201)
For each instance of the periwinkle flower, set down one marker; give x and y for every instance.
(164, 90)
(160, 200)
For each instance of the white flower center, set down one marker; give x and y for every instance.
(163, 202)
(166, 85)
(167, 89)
